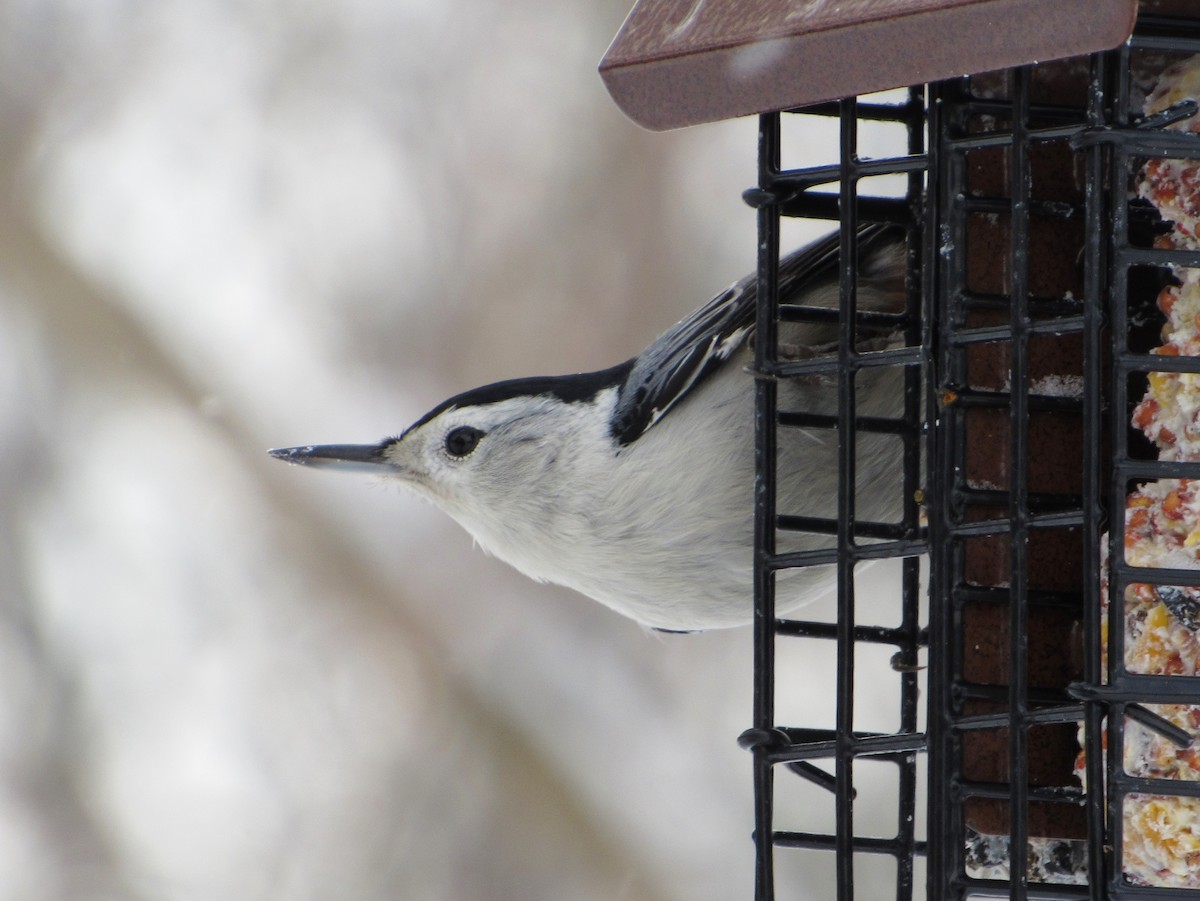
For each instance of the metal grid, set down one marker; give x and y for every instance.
(986, 221)
(995, 305)
(1088, 328)
(785, 193)
(1128, 141)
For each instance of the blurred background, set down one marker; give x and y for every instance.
(229, 226)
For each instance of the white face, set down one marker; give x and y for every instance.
(484, 462)
(522, 474)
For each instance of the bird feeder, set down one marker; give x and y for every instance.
(1038, 637)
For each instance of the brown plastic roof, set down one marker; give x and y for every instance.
(682, 62)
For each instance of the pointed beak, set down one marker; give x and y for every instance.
(351, 457)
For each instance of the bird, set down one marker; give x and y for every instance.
(634, 485)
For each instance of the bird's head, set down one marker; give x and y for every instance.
(483, 456)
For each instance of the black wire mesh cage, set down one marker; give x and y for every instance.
(1045, 426)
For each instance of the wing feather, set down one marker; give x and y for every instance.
(682, 357)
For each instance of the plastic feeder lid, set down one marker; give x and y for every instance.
(683, 62)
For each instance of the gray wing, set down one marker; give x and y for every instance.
(683, 356)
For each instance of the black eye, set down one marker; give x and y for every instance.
(462, 440)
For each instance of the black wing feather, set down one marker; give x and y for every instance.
(683, 356)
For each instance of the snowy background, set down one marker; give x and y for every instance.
(230, 226)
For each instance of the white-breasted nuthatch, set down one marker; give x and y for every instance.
(635, 485)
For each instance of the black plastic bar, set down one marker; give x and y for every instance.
(1004, 524)
(823, 526)
(1062, 505)
(1067, 713)
(813, 774)
(1143, 785)
(1166, 33)
(985, 334)
(898, 356)
(1097, 214)
(847, 482)
(1006, 139)
(963, 690)
(802, 735)
(824, 205)
(765, 411)
(1138, 142)
(795, 313)
(1113, 749)
(1048, 209)
(966, 140)
(1157, 689)
(1128, 892)
(1131, 362)
(1054, 794)
(802, 179)
(884, 550)
(849, 746)
(861, 424)
(1128, 256)
(1038, 403)
(1119, 164)
(912, 590)
(868, 634)
(896, 847)
(943, 279)
(1148, 470)
(992, 595)
(1153, 576)
(915, 634)
(1144, 716)
(1042, 306)
(1020, 188)
(1037, 112)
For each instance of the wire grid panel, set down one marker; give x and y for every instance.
(865, 756)
(1041, 279)
(1045, 278)
(1014, 470)
(1142, 695)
